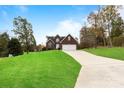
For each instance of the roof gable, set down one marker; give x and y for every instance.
(69, 40)
(53, 38)
(62, 39)
(51, 41)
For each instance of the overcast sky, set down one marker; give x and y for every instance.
(47, 20)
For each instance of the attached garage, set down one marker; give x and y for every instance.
(69, 47)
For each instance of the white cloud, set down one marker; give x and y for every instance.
(66, 27)
(23, 8)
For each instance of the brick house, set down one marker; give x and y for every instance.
(61, 42)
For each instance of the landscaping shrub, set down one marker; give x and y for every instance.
(15, 47)
(84, 45)
(118, 41)
(4, 53)
(87, 44)
(44, 49)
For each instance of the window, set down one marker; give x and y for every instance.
(57, 40)
(69, 38)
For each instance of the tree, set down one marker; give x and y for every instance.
(87, 38)
(110, 12)
(101, 25)
(106, 23)
(14, 47)
(23, 29)
(32, 46)
(93, 19)
(98, 26)
(4, 39)
(117, 27)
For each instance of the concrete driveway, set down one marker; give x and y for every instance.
(98, 71)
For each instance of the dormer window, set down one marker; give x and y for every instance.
(57, 40)
(69, 38)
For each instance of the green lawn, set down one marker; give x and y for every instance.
(50, 69)
(116, 53)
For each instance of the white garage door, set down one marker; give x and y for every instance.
(69, 47)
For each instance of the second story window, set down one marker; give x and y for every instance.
(57, 40)
(69, 38)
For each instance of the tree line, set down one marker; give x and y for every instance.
(106, 28)
(23, 42)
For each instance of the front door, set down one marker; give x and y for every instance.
(57, 46)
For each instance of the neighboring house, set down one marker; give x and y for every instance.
(61, 42)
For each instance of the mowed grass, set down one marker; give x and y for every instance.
(115, 52)
(50, 69)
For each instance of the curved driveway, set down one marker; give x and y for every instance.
(98, 71)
